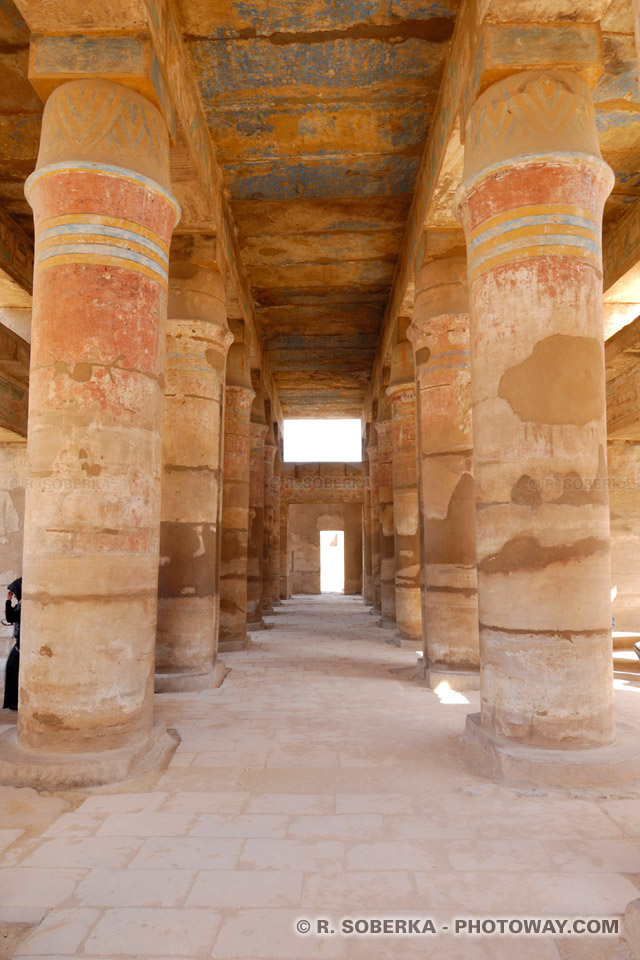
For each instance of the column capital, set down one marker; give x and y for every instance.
(238, 373)
(130, 61)
(441, 290)
(104, 127)
(402, 369)
(196, 285)
(534, 115)
(258, 418)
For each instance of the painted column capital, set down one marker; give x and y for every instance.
(402, 370)
(530, 115)
(107, 128)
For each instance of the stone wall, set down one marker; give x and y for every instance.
(305, 523)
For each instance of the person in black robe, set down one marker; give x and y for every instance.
(12, 615)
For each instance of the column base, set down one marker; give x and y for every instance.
(617, 763)
(259, 625)
(387, 623)
(228, 646)
(406, 643)
(20, 767)
(459, 680)
(185, 682)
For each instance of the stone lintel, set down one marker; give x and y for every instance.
(14, 385)
(16, 263)
(128, 60)
(622, 359)
(503, 49)
(201, 249)
(621, 259)
(440, 243)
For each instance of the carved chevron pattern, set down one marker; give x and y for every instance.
(96, 117)
(544, 104)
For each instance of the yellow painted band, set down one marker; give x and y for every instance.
(102, 221)
(530, 253)
(99, 238)
(79, 258)
(537, 230)
(533, 210)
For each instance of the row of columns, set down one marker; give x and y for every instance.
(509, 412)
(167, 536)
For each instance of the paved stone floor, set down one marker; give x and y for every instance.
(321, 781)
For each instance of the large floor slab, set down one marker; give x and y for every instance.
(322, 781)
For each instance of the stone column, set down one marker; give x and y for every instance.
(255, 561)
(188, 586)
(269, 557)
(385, 495)
(285, 590)
(402, 395)
(440, 337)
(239, 396)
(374, 496)
(352, 549)
(531, 204)
(275, 550)
(103, 220)
(367, 569)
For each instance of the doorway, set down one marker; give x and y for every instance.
(332, 561)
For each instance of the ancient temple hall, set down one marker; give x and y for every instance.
(277, 703)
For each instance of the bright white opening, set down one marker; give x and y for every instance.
(326, 440)
(446, 695)
(331, 561)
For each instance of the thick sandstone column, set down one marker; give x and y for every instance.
(367, 584)
(531, 205)
(285, 590)
(441, 342)
(353, 550)
(402, 395)
(275, 550)
(387, 533)
(269, 557)
(374, 498)
(255, 560)
(188, 586)
(103, 219)
(239, 396)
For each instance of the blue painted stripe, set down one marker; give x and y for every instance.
(463, 365)
(549, 240)
(451, 353)
(104, 231)
(552, 218)
(103, 250)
